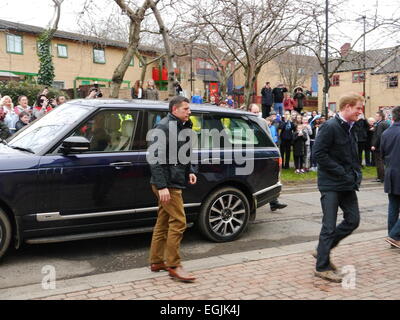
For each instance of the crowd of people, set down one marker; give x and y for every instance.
(14, 118)
(294, 130)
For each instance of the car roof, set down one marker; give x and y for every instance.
(151, 104)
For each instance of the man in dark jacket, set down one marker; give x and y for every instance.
(169, 176)
(288, 128)
(278, 94)
(390, 151)
(267, 100)
(339, 176)
(380, 126)
(362, 128)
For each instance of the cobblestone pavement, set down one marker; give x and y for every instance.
(372, 273)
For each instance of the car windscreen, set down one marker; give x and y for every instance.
(50, 127)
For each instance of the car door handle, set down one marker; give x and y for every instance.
(119, 165)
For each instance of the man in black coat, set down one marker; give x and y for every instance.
(278, 95)
(390, 151)
(287, 128)
(339, 177)
(169, 176)
(267, 100)
(380, 126)
(362, 128)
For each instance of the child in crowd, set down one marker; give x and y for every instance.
(272, 129)
(299, 141)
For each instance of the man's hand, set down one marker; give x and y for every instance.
(373, 148)
(192, 178)
(164, 195)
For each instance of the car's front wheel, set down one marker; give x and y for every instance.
(5, 233)
(224, 215)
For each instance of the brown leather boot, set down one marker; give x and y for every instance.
(180, 274)
(156, 267)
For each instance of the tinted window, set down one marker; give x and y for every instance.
(109, 131)
(154, 117)
(233, 131)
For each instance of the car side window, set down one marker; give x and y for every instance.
(154, 117)
(197, 122)
(233, 131)
(109, 131)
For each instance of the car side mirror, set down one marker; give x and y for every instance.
(75, 145)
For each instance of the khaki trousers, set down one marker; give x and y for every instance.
(168, 231)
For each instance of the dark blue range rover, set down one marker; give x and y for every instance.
(80, 172)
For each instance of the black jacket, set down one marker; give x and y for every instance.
(19, 125)
(267, 97)
(288, 128)
(299, 142)
(336, 152)
(390, 150)
(299, 97)
(362, 128)
(4, 131)
(166, 170)
(379, 128)
(278, 94)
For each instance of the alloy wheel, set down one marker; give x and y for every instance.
(227, 215)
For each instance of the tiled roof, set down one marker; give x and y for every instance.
(373, 58)
(20, 27)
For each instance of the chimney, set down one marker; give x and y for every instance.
(345, 49)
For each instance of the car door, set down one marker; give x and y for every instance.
(100, 184)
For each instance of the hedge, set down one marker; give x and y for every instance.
(15, 89)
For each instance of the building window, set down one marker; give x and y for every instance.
(358, 77)
(332, 106)
(335, 81)
(132, 63)
(62, 50)
(393, 81)
(99, 55)
(14, 44)
(58, 84)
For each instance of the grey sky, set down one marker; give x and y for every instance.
(39, 12)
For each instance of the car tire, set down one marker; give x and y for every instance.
(5, 233)
(224, 215)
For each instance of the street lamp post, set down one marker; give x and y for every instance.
(364, 66)
(326, 58)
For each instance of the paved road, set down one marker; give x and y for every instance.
(299, 222)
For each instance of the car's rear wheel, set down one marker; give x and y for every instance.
(5, 233)
(224, 215)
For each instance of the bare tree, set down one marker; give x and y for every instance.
(254, 31)
(295, 67)
(222, 61)
(136, 17)
(315, 38)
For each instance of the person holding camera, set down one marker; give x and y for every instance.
(42, 107)
(94, 93)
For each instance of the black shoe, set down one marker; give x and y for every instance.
(377, 180)
(278, 206)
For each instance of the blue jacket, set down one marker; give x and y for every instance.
(274, 133)
(390, 150)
